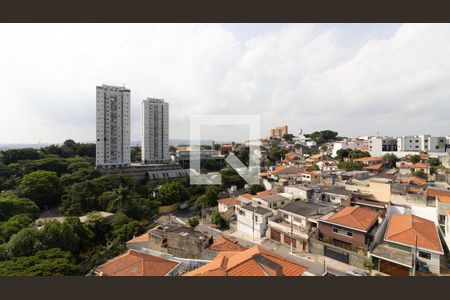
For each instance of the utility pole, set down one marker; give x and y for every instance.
(253, 225)
(414, 258)
(292, 233)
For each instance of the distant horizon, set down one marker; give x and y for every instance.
(357, 78)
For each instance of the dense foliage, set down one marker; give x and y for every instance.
(63, 178)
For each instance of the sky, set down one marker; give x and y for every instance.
(357, 79)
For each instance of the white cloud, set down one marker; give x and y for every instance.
(306, 76)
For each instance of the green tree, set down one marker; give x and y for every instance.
(351, 166)
(434, 161)
(14, 155)
(420, 174)
(13, 226)
(355, 154)
(231, 177)
(52, 262)
(55, 234)
(85, 235)
(254, 188)
(341, 154)
(172, 192)
(276, 153)
(368, 263)
(53, 164)
(217, 219)
(323, 136)
(193, 221)
(390, 159)
(24, 243)
(11, 206)
(288, 137)
(415, 159)
(99, 225)
(210, 165)
(42, 187)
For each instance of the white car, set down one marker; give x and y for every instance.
(356, 272)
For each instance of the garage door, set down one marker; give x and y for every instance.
(287, 240)
(393, 269)
(275, 235)
(337, 255)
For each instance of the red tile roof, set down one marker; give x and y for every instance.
(444, 198)
(368, 159)
(226, 244)
(418, 165)
(139, 239)
(228, 201)
(255, 261)
(436, 192)
(356, 217)
(268, 192)
(405, 228)
(374, 167)
(247, 196)
(415, 180)
(134, 263)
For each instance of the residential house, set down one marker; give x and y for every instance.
(294, 223)
(413, 180)
(272, 201)
(299, 191)
(310, 177)
(369, 161)
(284, 170)
(291, 158)
(225, 243)
(352, 228)
(245, 198)
(267, 192)
(447, 228)
(357, 175)
(135, 263)
(407, 168)
(408, 236)
(255, 261)
(252, 220)
(186, 242)
(336, 196)
(226, 204)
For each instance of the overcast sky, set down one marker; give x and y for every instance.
(357, 79)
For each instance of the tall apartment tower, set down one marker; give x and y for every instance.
(155, 131)
(113, 127)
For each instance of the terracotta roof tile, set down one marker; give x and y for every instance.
(255, 261)
(134, 263)
(405, 228)
(415, 180)
(247, 196)
(225, 244)
(444, 198)
(228, 201)
(374, 167)
(368, 159)
(355, 217)
(139, 239)
(436, 192)
(268, 192)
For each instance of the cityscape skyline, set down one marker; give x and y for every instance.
(288, 73)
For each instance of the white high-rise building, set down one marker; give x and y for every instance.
(113, 127)
(155, 131)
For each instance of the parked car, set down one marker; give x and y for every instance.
(356, 272)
